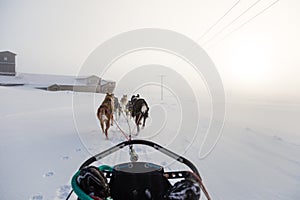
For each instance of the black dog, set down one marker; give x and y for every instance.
(139, 110)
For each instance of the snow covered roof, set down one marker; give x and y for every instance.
(87, 77)
(45, 80)
(8, 52)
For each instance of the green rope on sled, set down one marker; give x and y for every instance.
(81, 195)
(106, 167)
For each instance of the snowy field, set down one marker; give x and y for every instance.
(43, 142)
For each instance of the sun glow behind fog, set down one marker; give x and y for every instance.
(250, 61)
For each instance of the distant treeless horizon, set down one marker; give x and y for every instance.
(54, 37)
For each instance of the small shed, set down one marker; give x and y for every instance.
(7, 63)
(89, 80)
(107, 86)
(56, 87)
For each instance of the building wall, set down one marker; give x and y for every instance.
(108, 87)
(83, 88)
(56, 87)
(7, 63)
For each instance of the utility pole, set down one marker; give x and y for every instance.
(161, 87)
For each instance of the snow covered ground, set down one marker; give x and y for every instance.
(43, 141)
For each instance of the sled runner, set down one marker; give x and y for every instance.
(137, 180)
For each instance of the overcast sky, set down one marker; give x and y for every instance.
(56, 37)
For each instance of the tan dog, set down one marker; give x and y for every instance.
(124, 103)
(124, 100)
(105, 113)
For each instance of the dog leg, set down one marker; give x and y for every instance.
(101, 122)
(138, 129)
(106, 128)
(102, 126)
(112, 119)
(144, 121)
(137, 122)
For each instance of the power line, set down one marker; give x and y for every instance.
(230, 23)
(249, 20)
(212, 26)
(161, 86)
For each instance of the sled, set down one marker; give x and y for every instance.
(139, 180)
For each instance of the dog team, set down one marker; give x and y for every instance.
(136, 107)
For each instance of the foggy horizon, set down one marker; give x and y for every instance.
(54, 37)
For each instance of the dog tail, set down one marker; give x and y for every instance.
(98, 111)
(101, 111)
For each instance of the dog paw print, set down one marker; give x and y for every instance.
(48, 174)
(63, 191)
(65, 157)
(36, 197)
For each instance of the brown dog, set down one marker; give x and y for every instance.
(105, 113)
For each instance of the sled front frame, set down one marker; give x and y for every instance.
(161, 149)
